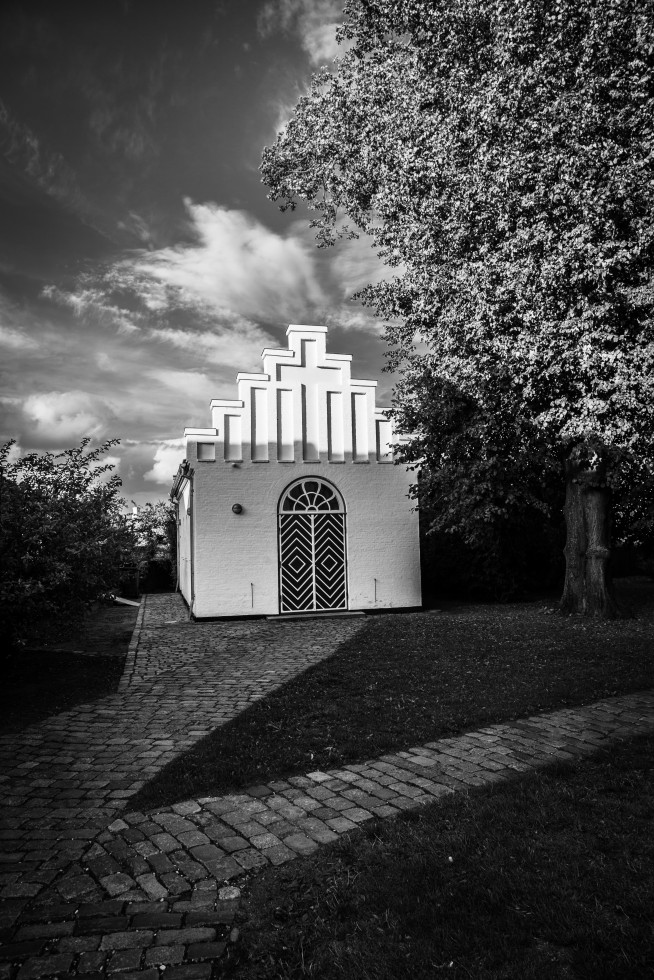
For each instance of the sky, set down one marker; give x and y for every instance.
(141, 263)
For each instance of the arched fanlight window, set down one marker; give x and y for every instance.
(311, 495)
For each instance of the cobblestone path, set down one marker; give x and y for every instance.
(92, 889)
(63, 781)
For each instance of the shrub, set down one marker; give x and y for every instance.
(63, 536)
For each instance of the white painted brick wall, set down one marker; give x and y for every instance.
(185, 578)
(236, 555)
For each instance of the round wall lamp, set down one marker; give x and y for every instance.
(237, 509)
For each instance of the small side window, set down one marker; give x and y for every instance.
(207, 452)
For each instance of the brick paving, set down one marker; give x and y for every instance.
(88, 888)
(103, 634)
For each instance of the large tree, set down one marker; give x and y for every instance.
(499, 153)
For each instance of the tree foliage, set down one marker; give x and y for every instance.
(489, 494)
(499, 154)
(63, 535)
(155, 537)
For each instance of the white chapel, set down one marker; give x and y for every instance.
(290, 502)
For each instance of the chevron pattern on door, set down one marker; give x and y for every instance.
(296, 562)
(312, 554)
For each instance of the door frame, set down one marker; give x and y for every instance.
(341, 510)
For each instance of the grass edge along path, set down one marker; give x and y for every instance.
(221, 837)
(545, 876)
(404, 679)
(64, 671)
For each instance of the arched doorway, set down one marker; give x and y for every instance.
(312, 557)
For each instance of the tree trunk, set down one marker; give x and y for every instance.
(588, 588)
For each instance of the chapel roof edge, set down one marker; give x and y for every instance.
(226, 403)
(277, 352)
(304, 328)
(193, 430)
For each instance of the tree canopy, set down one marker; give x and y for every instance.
(499, 154)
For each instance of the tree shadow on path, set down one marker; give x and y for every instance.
(411, 678)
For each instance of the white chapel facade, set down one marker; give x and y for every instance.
(290, 502)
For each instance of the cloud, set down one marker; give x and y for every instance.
(46, 168)
(183, 382)
(240, 346)
(122, 129)
(359, 320)
(112, 461)
(63, 418)
(209, 296)
(236, 264)
(234, 272)
(314, 22)
(17, 327)
(16, 340)
(135, 224)
(104, 362)
(348, 266)
(167, 457)
(344, 270)
(93, 303)
(282, 107)
(356, 264)
(39, 165)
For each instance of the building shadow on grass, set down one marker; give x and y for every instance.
(408, 679)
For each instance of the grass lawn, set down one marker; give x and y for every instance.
(53, 674)
(548, 876)
(407, 679)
